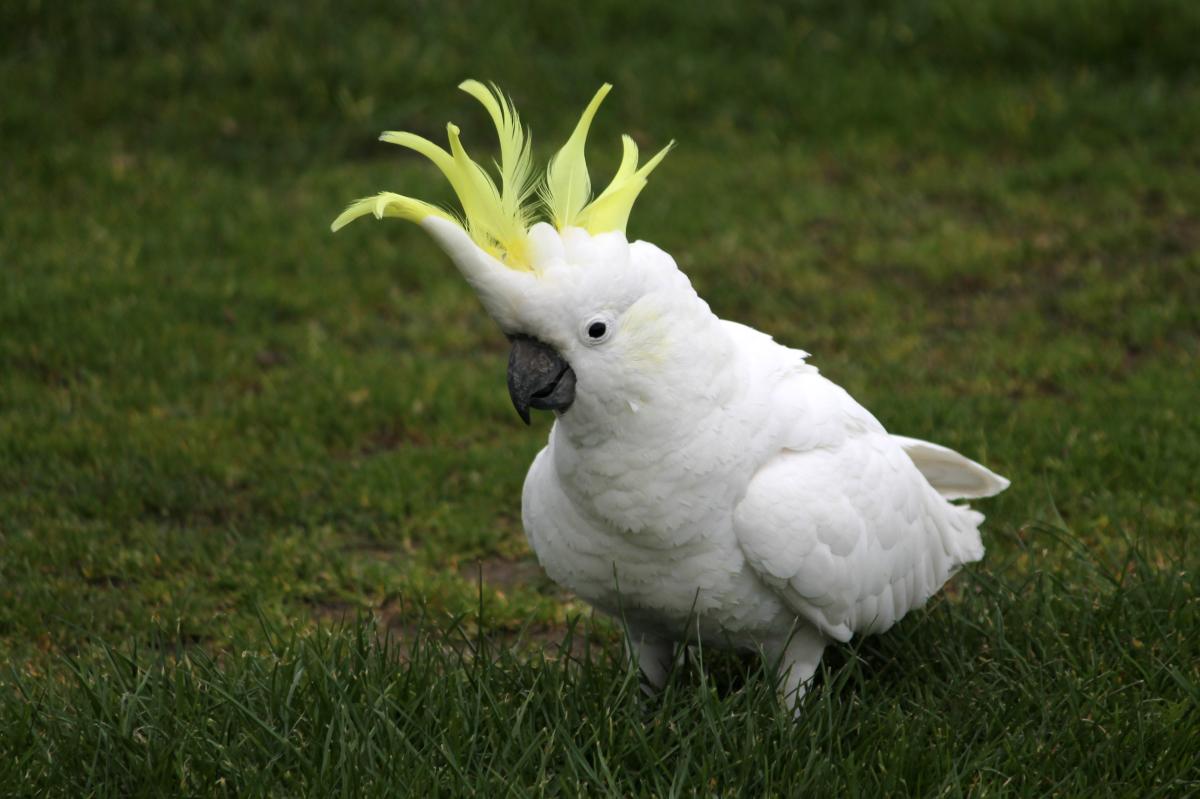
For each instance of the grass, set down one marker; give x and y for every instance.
(232, 446)
(1028, 689)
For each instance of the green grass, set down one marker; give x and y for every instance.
(223, 430)
(1027, 689)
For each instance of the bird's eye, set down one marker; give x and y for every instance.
(597, 330)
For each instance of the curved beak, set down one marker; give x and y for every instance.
(538, 377)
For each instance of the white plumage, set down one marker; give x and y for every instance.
(701, 480)
(709, 482)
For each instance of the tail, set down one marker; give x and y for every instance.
(952, 475)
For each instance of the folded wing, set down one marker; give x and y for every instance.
(844, 525)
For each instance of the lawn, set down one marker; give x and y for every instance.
(251, 473)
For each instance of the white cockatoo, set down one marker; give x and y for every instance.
(701, 481)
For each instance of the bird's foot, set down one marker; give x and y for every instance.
(797, 659)
(653, 656)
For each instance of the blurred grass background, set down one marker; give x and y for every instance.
(980, 217)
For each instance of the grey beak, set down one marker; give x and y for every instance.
(538, 377)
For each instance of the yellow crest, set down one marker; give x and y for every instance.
(498, 219)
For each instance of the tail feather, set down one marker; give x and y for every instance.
(952, 475)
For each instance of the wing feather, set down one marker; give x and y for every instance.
(842, 524)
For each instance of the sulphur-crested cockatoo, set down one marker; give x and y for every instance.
(701, 481)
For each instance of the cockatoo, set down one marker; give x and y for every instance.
(701, 481)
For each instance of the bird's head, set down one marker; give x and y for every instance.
(592, 317)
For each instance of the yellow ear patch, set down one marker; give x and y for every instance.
(642, 327)
(498, 219)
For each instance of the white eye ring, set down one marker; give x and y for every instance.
(597, 329)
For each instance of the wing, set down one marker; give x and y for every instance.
(842, 524)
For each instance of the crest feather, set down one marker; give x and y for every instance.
(568, 185)
(498, 219)
(388, 204)
(610, 211)
(516, 161)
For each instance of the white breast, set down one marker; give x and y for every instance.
(660, 532)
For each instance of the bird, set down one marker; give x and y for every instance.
(702, 483)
